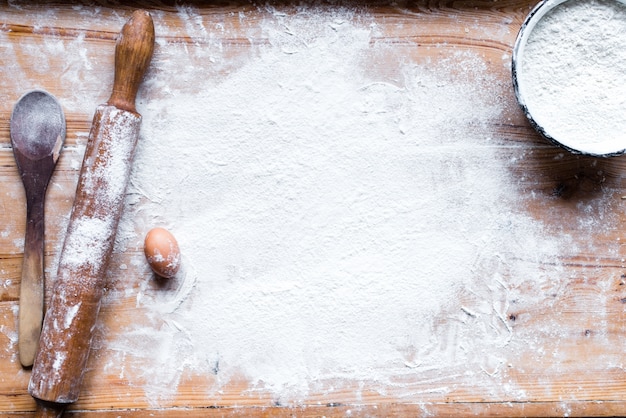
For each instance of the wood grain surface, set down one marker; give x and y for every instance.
(589, 307)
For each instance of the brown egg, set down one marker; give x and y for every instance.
(162, 252)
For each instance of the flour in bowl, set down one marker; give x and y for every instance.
(572, 75)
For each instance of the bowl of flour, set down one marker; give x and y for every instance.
(569, 74)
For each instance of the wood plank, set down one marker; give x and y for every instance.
(575, 371)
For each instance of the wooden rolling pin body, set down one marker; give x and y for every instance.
(75, 301)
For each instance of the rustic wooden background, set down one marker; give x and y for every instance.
(584, 384)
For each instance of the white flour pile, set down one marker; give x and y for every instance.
(573, 75)
(330, 218)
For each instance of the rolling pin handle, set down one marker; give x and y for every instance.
(133, 52)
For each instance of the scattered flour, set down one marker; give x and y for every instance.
(572, 74)
(335, 223)
(339, 217)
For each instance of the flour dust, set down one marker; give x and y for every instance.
(329, 217)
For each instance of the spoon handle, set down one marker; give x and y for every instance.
(32, 285)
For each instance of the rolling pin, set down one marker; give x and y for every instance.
(71, 316)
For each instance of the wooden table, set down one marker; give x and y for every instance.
(568, 357)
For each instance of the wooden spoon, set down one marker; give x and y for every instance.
(37, 134)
